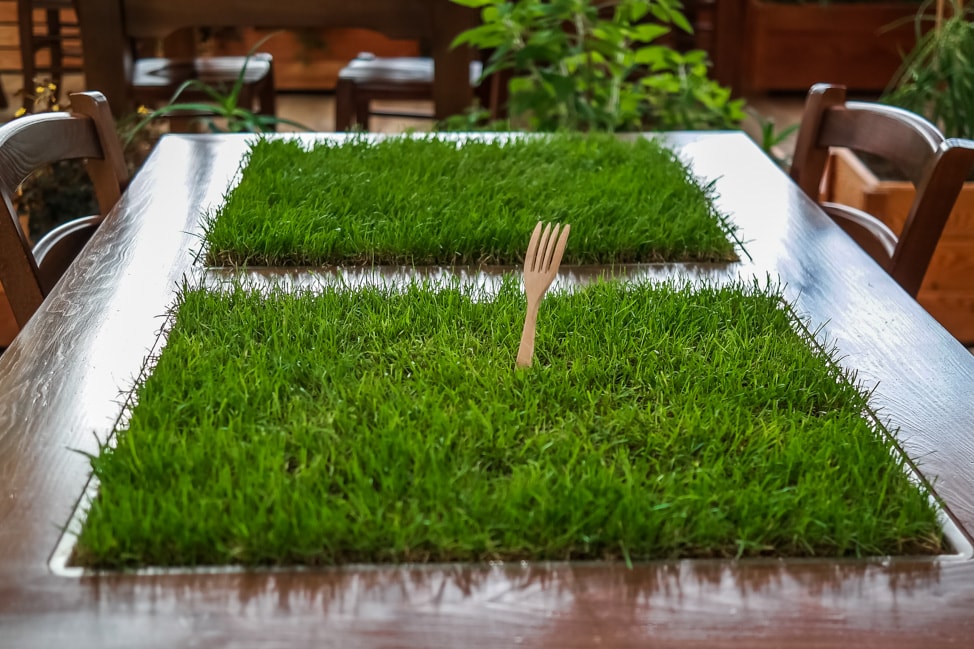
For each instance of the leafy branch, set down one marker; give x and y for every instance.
(581, 65)
(936, 78)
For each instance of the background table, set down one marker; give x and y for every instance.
(64, 378)
(107, 27)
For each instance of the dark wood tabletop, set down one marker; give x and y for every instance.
(107, 27)
(63, 380)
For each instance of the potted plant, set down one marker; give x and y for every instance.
(580, 65)
(767, 45)
(932, 82)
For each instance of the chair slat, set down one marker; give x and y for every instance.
(936, 166)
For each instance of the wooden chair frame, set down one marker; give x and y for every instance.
(368, 78)
(937, 167)
(29, 143)
(56, 32)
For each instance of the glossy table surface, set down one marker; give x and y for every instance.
(63, 380)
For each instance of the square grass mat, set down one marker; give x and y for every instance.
(389, 425)
(425, 200)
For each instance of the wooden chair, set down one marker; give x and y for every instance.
(154, 80)
(28, 143)
(58, 33)
(936, 166)
(369, 78)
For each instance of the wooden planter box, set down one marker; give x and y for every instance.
(313, 66)
(791, 47)
(948, 288)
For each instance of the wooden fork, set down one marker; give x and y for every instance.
(540, 267)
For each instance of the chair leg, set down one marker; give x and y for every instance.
(362, 113)
(259, 101)
(247, 99)
(267, 96)
(25, 26)
(29, 48)
(56, 50)
(344, 105)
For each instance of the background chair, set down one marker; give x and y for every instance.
(58, 33)
(156, 79)
(161, 66)
(33, 141)
(369, 78)
(936, 166)
(153, 79)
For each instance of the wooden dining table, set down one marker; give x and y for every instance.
(109, 28)
(64, 381)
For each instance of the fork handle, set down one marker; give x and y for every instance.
(525, 351)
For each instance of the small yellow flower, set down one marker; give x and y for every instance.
(39, 89)
(56, 107)
(20, 112)
(142, 110)
(51, 86)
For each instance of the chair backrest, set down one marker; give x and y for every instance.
(34, 141)
(936, 166)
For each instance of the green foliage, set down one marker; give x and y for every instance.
(389, 425)
(582, 65)
(426, 200)
(837, 2)
(936, 79)
(770, 137)
(473, 120)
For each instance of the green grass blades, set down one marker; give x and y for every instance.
(423, 200)
(389, 425)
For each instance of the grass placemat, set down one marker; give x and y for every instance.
(425, 200)
(390, 426)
